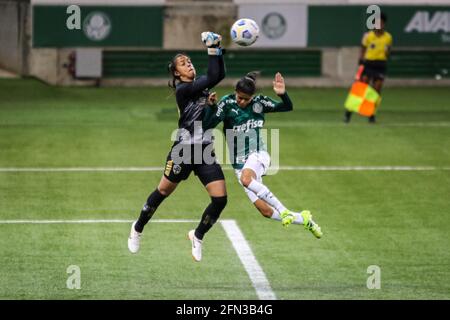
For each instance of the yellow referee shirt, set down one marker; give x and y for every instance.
(376, 46)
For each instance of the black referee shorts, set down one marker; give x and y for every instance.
(375, 69)
(206, 172)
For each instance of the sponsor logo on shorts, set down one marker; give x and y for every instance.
(176, 169)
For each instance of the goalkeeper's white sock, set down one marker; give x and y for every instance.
(264, 194)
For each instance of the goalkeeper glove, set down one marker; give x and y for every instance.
(212, 42)
(211, 39)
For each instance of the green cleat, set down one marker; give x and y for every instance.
(310, 225)
(287, 218)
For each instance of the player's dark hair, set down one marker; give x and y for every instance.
(172, 67)
(247, 84)
(383, 17)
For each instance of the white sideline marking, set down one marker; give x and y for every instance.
(248, 259)
(234, 234)
(287, 168)
(92, 221)
(83, 169)
(293, 124)
(360, 168)
(418, 124)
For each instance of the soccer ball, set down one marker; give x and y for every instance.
(244, 32)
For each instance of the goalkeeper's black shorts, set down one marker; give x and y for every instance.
(201, 159)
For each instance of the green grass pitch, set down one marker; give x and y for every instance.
(397, 220)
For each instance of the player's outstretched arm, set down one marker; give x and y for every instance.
(212, 42)
(216, 68)
(279, 87)
(278, 84)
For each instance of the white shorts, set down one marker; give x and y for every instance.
(259, 162)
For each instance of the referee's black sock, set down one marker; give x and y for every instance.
(153, 201)
(210, 216)
(348, 116)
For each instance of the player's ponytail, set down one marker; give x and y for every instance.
(247, 84)
(253, 75)
(171, 70)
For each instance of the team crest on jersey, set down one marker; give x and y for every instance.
(176, 169)
(257, 108)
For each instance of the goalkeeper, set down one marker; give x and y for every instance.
(191, 95)
(243, 114)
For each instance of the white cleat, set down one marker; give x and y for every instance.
(134, 241)
(196, 246)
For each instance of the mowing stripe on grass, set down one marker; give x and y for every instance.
(248, 259)
(237, 239)
(281, 168)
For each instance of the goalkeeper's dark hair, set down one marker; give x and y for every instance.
(172, 67)
(247, 84)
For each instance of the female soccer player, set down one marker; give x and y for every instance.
(186, 154)
(243, 116)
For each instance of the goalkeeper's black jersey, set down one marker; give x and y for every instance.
(192, 97)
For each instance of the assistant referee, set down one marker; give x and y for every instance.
(375, 49)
